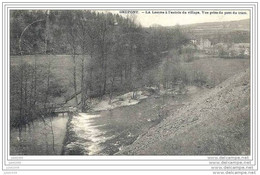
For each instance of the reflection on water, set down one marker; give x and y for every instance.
(39, 138)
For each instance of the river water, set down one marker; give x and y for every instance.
(99, 133)
(109, 131)
(85, 135)
(40, 138)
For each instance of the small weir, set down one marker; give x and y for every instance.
(84, 137)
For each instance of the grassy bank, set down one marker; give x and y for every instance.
(216, 122)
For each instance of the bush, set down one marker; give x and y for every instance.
(199, 78)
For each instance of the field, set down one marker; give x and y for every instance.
(217, 70)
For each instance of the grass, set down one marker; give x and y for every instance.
(214, 70)
(216, 122)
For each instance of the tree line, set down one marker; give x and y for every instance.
(114, 53)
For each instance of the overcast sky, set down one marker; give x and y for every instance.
(147, 19)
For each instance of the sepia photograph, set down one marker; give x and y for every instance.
(129, 82)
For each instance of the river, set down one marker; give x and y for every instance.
(107, 132)
(39, 138)
(95, 133)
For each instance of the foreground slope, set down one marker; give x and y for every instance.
(216, 122)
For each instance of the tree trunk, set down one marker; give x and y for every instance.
(35, 84)
(121, 76)
(103, 58)
(125, 70)
(82, 85)
(26, 98)
(48, 86)
(90, 81)
(105, 78)
(21, 99)
(111, 90)
(53, 138)
(31, 97)
(49, 62)
(75, 77)
(130, 73)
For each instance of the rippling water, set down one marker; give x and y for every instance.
(88, 135)
(37, 139)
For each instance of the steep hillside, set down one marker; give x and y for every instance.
(214, 123)
(231, 31)
(228, 25)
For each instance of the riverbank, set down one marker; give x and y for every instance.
(216, 122)
(113, 126)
